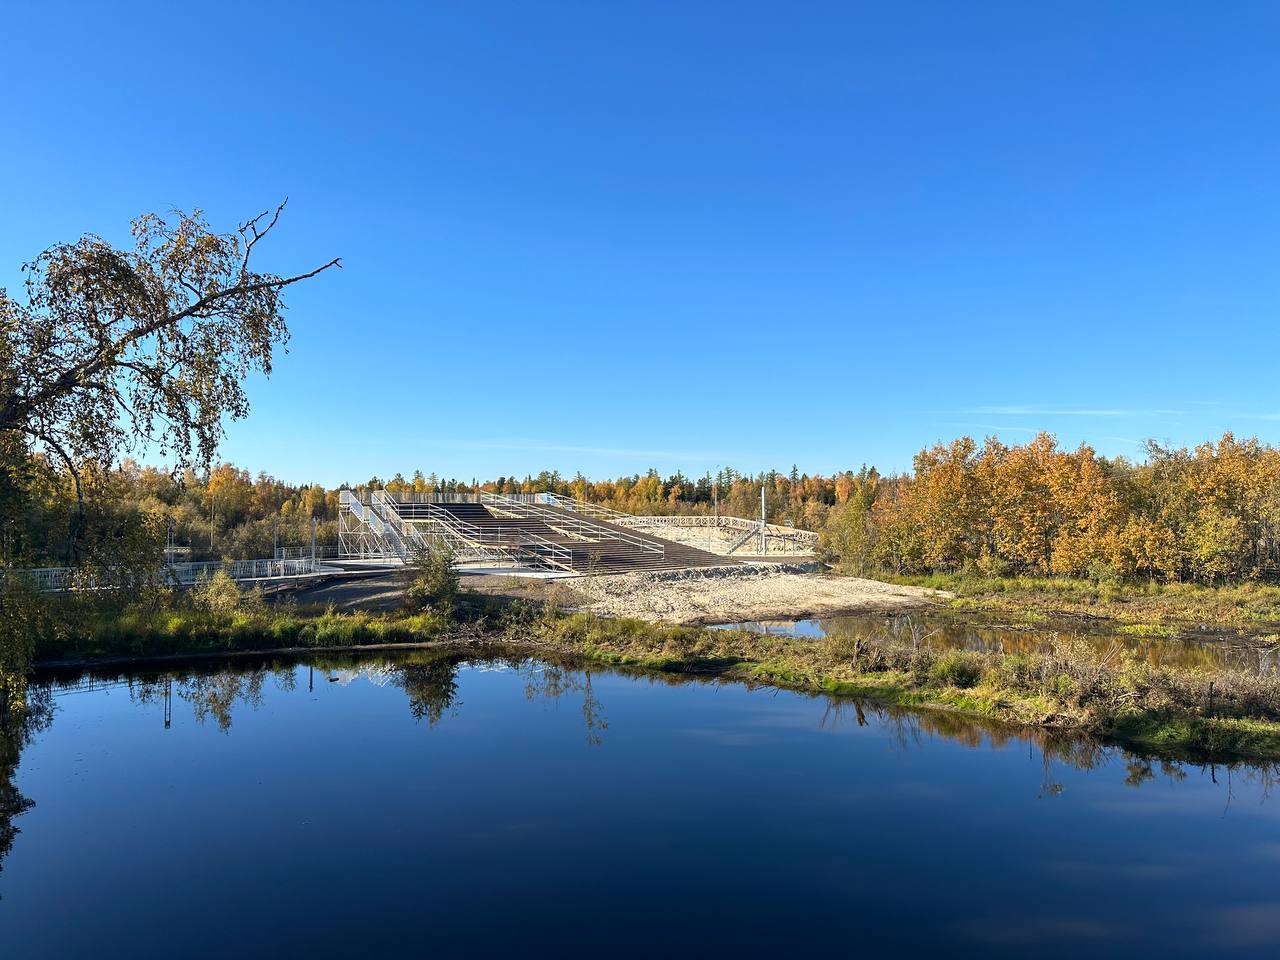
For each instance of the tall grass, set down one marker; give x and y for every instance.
(1246, 604)
(170, 632)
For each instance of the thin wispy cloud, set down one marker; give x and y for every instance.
(994, 428)
(1016, 410)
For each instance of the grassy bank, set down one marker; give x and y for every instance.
(175, 633)
(1072, 687)
(1251, 606)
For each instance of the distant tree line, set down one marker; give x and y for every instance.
(1208, 514)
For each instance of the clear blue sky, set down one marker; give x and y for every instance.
(605, 236)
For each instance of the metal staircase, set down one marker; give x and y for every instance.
(377, 528)
(570, 524)
(747, 536)
(500, 530)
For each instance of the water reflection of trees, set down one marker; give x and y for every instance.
(912, 729)
(432, 688)
(429, 684)
(213, 695)
(550, 681)
(23, 714)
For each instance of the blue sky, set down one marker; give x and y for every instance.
(613, 236)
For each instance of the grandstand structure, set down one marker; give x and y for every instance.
(538, 532)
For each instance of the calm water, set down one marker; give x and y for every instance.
(417, 807)
(1205, 651)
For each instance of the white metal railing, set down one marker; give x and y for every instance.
(53, 579)
(466, 540)
(187, 573)
(773, 530)
(404, 541)
(410, 496)
(559, 519)
(357, 535)
(777, 531)
(436, 517)
(589, 509)
(323, 551)
(747, 535)
(395, 525)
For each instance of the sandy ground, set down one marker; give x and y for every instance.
(719, 595)
(734, 595)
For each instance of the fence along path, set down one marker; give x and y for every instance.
(181, 574)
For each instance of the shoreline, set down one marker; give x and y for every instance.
(888, 671)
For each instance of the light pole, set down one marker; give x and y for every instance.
(715, 506)
(763, 514)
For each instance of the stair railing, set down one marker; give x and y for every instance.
(559, 519)
(505, 546)
(775, 531)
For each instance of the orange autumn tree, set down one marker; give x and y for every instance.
(1207, 514)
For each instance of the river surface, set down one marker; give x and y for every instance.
(411, 806)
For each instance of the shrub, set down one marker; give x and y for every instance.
(218, 594)
(956, 668)
(991, 565)
(435, 582)
(1104, 574)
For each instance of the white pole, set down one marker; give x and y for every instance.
(715, 504)
(762, 516)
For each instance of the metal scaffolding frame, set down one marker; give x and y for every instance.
(396, 527)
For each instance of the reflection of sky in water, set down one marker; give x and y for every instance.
(780, 628)
(538, 810)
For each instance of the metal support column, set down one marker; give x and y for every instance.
(763, 514)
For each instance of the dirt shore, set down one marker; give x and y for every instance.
(738, 594)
